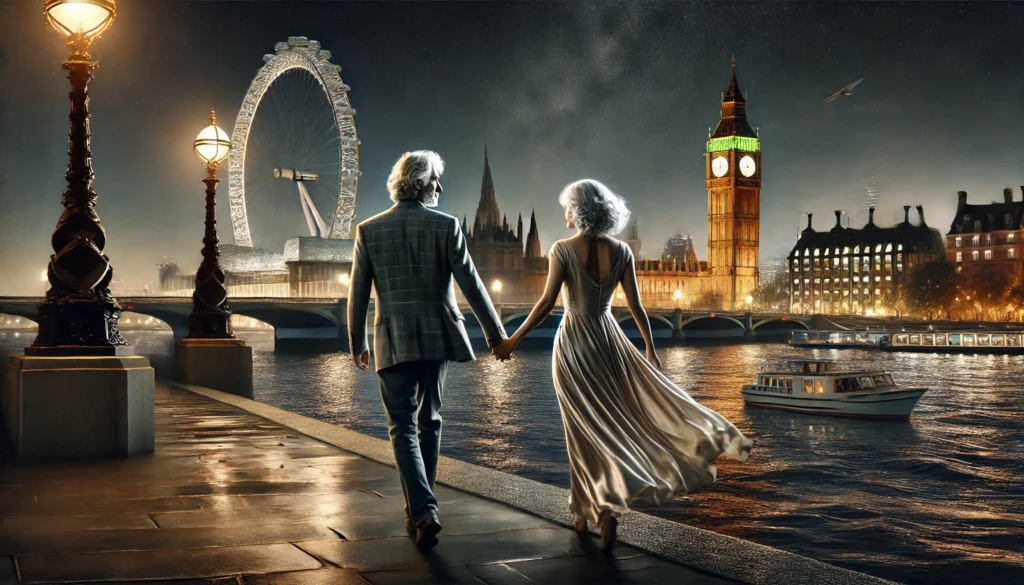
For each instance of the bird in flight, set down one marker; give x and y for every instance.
(848, 90)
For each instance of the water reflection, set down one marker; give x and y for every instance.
(933, 500)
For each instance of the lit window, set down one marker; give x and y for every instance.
(988, 254)
(1010, 238)
(1011, 253)
(988, 239)
(888, 247)
(959, 256)
(959, 242)
(976, 240)
(974, 255)
(816, 250)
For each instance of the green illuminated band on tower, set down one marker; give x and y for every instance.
(734, 142)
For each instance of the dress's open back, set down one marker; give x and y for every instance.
(629, 430)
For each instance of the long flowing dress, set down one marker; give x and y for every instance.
(629, 430)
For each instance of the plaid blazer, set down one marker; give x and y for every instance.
(411, 254)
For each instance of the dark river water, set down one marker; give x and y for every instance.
(938, 499)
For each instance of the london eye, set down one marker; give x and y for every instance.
(293, 169)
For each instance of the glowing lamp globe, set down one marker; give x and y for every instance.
(213, 144)
(88, 18)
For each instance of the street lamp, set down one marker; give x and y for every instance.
(677, 295)
(211, 317)
(79, 310)
(343, 279)
(750, 302)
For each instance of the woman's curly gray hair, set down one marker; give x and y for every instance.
(419, 164)
(594, 209)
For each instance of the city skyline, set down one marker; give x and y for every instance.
(618, 92)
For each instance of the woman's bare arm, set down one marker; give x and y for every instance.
(632, 292)
(541, 310)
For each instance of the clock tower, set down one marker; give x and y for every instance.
(733, 181)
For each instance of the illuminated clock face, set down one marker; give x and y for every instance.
(747, 166)
(719, 166)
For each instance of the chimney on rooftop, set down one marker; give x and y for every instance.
(1007, 195)
(906, 214)
(920, 214)
(809, 217)
(871, 215)
(961, 199)
(839, 218)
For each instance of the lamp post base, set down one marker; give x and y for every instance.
(221, 364)
(69, 407)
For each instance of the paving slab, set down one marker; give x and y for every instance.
(231, 496)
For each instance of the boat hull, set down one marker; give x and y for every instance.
(897, 405)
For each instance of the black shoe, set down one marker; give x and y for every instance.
(426, 534)
(409, 526)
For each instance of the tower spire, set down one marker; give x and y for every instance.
(487, 213)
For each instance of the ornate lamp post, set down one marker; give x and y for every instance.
(79, 315)
(211, 316)
(211, 355)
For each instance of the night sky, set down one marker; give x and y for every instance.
(622, 92)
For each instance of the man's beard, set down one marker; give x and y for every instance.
(428, 196)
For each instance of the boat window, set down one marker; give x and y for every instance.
(808, 386)
(929, 339)
(900, 339)
(997, 339)
(789, 385)
(819, 386)
(940, 340)
(983, 340)
(889, 382)
(880, 381)
(1013, 340)
(915, 340)
(954, 339)
(968, 339)
(865, 383)
(847, 385)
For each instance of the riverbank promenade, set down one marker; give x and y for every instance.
(233, 497)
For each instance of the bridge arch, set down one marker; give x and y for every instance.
(661, 327)
(28, 315)
(780, 323)
(711, 326)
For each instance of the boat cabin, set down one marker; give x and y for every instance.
(821, 377)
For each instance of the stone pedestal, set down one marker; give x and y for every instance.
(221, 364)
(84, 406)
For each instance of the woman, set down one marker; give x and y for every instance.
(629, 430)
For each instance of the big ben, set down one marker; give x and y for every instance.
(733, 180)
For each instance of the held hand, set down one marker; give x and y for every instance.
(362, 360)
(652, 356)
(504, 350)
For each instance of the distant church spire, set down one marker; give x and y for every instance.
(487, 214)
(533, 238)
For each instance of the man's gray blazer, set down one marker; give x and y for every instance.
(411, 254)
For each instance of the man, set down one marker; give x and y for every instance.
(411, 253)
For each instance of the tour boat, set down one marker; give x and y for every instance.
(994, 342)
(820, 387)
(837, 339)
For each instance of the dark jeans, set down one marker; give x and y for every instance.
(411, 392)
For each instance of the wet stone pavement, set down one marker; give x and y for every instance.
(230, 497)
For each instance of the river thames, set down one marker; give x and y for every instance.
(938, 499)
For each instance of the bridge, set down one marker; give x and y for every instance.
(312, 322)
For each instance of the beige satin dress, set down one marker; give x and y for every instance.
(630, 431)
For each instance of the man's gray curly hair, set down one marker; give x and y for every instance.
(419, 164)
(594, 209)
